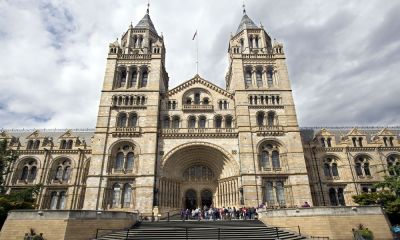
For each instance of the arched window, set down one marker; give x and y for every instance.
(122, 77)
(247, 78)
(133, 120)
(119, 161)
(127, 195)
(62, 202)
(192, 122)
(175, 122)
(121, 122)
(323, 142)
(393, 165)
(358, 169)
(275, 160)
(66, 174)
(256, 42)
(220, 104)
(259, 78)
(218, 122)
(260, 118)
(129, 161)
(62, 144)
(332, 197)
(32, 173)
(354, 142)
(116, 195)
(327, 170)
(24, 174)
(166, 122)
(329, 141)
(269, 194)
(59, 173)
(335, 171)
(264, 161)
(360, 141)
(341, 197)
(197, 98)
(69, 145)
(53, 200)
(228, 122)
(134, 76)
(271, 119)
(225, 105)
(145, 76)
(280, 193)
(202, 122)
(366, 169)
(29, 145)
(391, 141)
(269, 77)
(385, 141)
(36, 144)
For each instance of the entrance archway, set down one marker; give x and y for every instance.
(190, 199)
(197, 175)
(206, 198)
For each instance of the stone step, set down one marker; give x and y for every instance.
(233, 230)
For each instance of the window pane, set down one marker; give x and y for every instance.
(275, 160)
(280, 193)
(119, 161)
(129, 161)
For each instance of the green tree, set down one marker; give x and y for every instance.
(22, 199)
(388, 197)
(7, 157)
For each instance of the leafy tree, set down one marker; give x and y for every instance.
(7, 157)
(388, 197)
(22, 199)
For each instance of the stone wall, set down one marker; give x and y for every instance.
(332, 222)
(56, 225)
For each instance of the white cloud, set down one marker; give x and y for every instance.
(343, 57)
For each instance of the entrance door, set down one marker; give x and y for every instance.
(191, 199)
(206, 198)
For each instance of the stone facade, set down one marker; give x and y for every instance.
(198, 144)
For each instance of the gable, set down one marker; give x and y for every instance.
(198, 82)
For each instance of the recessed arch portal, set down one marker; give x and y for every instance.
(203, 170)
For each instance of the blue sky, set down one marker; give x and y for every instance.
(343, 56)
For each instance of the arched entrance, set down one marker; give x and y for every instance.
(190, 199)
(197, 175)
(206, 198)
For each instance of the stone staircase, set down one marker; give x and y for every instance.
(205, 230)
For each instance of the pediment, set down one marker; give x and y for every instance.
(197, 81)
(324, 132)
(385, 132)
(68, 134)
(355, 132)
(35, 135)
(5, 135)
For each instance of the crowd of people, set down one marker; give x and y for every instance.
(210, 213)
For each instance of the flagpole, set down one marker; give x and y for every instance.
(197, 54)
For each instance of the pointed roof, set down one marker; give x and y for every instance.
(246, 23)
(146, 23)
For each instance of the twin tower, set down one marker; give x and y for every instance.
(195, 145)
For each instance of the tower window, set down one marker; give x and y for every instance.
(218, 122)
(144, 79)
(247, 78)
(269, 77)
(202, 122)
(228, 122)
(197, 98)
(192, 122)
(259, 78)
(260, 119)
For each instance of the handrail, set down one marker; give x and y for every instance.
(187, 230)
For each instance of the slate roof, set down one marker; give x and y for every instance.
(246, 23)
(146, 23)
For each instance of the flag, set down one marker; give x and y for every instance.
(194, 36)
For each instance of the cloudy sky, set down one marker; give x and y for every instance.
(343, 56)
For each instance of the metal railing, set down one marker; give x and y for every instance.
(192, 230)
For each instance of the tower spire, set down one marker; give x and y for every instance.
(244, 8)
(148, 7)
